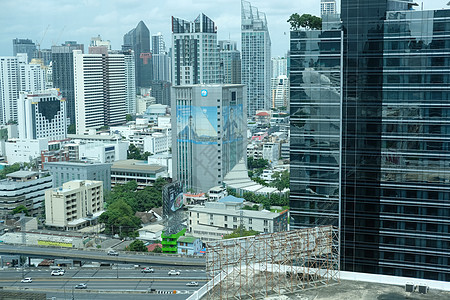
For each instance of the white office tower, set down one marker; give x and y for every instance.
(42, 114)
(195, 54)
(279, 66)
(327, 7)
(158, 44)
(31, 75)
(230, 62)
(256, 58)
(9, 88)
(130, 82)
(100, 93)
(280, 92)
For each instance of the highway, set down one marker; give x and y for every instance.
(130, 281)
(100, 255)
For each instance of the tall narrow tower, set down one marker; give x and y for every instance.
(256, 58)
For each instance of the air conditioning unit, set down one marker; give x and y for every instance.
(410, 287)
(423, 289)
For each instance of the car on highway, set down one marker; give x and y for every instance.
(113, 253)
(173, 272)
(27, 280)
(57, 273)
(81, 286)
(148, 270)
(192, 283)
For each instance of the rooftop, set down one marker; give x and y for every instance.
(21, 174)
(187, 239)
(136, 165)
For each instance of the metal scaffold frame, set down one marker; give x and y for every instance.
(273, 264)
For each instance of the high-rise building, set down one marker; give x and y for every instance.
(158, 44)
(280, 91)
(161, 92)
(209, 138)
(100, 92)
(138, 40)
(161, 67)
(31, 75)
(130, 81)
(279, 66)
(62, 72)
(230, 62)
(328, 7)
(42, 114)
(195, 54)
(369, 137)
(9, 88)
(256, 54)
(24, 46)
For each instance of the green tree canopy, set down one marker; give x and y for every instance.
(306, 21)
(137, 246)
(72, 129)
(119, 219)
(281, 180)
(240, 232)
(135, 153)
(20, 209)
(259, 163)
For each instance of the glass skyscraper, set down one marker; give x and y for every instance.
(370, 136)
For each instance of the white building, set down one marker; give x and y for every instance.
(31, 75)
(256, 58)
(98, 151)
(9, 88)
(42, 114)
(100, 91)
(195, 53)
(157, 143)
(23, 188)
(143, 102)
(75, 205)
(271, 152)
(279, 66)
(24, 150)
(163, 159)
(216, 219)
(280, 91)
(216, 193)
(130, 82)
(327, 7)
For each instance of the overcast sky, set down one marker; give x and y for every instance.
(82, 19)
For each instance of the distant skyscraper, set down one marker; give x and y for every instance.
(279, 66)
(100, 91)
(161, 92)
(195, 54)
(209, 133)
(9, 88)
(130, 81)
(280, 91)
(327, 7)
(31, 76)
(256, 54)
(138, 39)
(230, 62)
(158, 44)
(24, 46)
(42, 114)
(62, 72)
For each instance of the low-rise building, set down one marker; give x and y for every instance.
(216, 193)
(79, 170)
(24, 188)
(98, 151)
(143, 173)
(24, 150)
(75, 205)
(271, 152)
(216, 219)
(151, 232)
(189, 245)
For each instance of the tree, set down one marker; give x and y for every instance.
(281, 180)
(9, 169)
(306, 21)
(133, 152)
(157, 249)
(129, 118)
(137, 246)
(259, 163)
(20, 209)
(72, 129)
(119, 219)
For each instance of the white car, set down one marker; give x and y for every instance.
(27, 280)
(113, 253)
(173, 272)
(57, 273)
(192, 283)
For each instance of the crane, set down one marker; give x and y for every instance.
(39, 44)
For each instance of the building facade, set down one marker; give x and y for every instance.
(280, 91)
(63, 172)
(369, 149)
(209, 133)
(24, 46)
(256, 58)
(23, 188)
(328, 7)
(62, 73)
(42, 115)
(230, 62)
(100, 90)
(74, 205)
(195, 57)
(138, 40)
(144, 174)
(10, 85)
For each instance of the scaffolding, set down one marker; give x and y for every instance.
(273, 264)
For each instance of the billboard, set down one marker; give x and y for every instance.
(197, 124)
(172, 204)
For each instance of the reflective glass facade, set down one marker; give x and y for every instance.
(376, 129)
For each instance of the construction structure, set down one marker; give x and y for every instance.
(272, 264)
